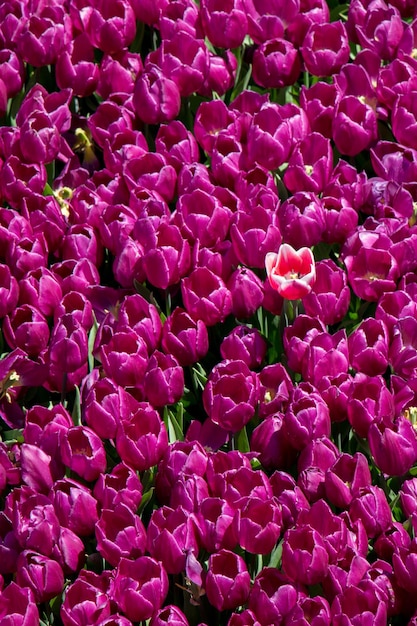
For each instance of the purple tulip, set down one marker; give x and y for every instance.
(289, 496)
(75, 506)
(218, 524)
(184, 338)
(183, 458)
(35, 523)
(27, 329)
(355, 606)
(42, 575)
(164, 380)
(171, 534)
(148, 11)
(36, 468)
(402, 350)
(18, 606)
(345, 478)
(120, 534)
(301, 219)
(176, 16)
(273, 596)
(69, 551)
(326, 355)
(141, 438)
(201, 216)
(156, 98)
(86, 599)
(304, 556)
(259, 524)
(372, 508)
(221, 74)
(230, 395)
(325, 48)
(369, 402)
(225, 25)
(68, 345)
(393, 446)
(276, 63)
(44, 36)
(139, 587)
(318, 101)
(122, 485)
(269, 137)
(354, 126)
(381, 31)
(297, 338)
(271, 443)
(75, 67)
(83, 452)
(310, 165)
(206, 297)
(306, 417)
(125, 358)
(227, 581)
(176, 144)
(246, 344)
(253, 234)
(171, 615)
(330, 296)
(111, 26)
(39, 288)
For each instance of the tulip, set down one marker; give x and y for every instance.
(291, 272)
(141, 438)
(125, 358)
(75, 506)
(221, 74)
(304, 556)
(171, 533)
(273, 596)
(83, 452)
(139, 587)
(111, 26)
(345, 478)
(310, 165)
(354, 126)
(325, 48)
(184, 338)
(121, 485)
(120, 534)
(186, 457)
(225, 25)
(27, 329)
(156, 98)
(372, 508)
(330, 296)
(245, 344)
(230, 395)
(276, 63)
(18, 606)
(253, 234)
(301, 219)
(393, 446)
(171, 615)
(40, 574)
(36, 524)
(86, 600)
(69, 551)
(164, 380)
(206, 297)
(227, 581)
(218, 524)
(306, 417)
(318, 101)
(259, 524)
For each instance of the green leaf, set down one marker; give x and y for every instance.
(91, 339)
(276, 554)
(13, 436)
(173, 428)
(76, 411)
(146, 498)
(242, 441)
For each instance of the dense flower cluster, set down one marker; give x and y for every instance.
(208, 308)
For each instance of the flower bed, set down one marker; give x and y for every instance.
(208, 303)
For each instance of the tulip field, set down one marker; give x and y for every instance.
(208, 313)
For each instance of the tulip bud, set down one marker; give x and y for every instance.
(227, 580)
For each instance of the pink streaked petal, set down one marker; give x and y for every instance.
(270, 262)
(288, 259)
(294, 290)
(307, 260)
